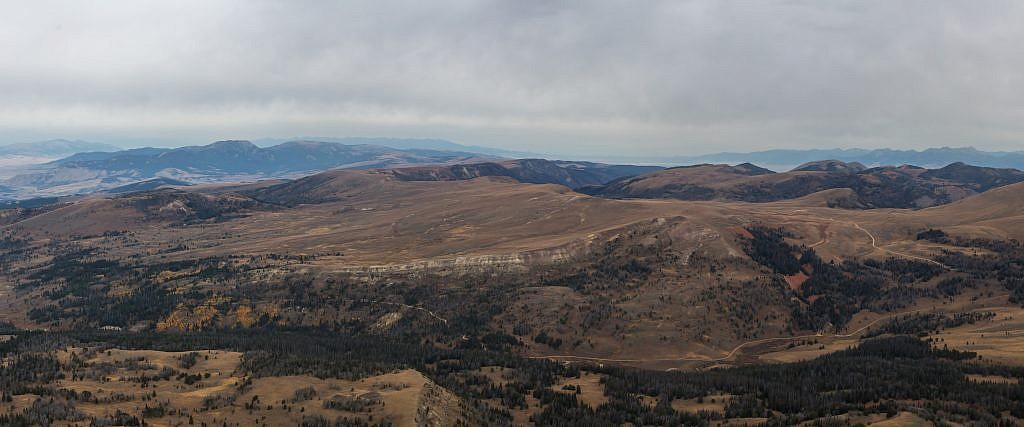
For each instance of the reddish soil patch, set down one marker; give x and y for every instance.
(796, 280)
(743, 232)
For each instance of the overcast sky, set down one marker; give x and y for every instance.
(638, 78)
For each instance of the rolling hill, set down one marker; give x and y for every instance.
(374, 220)
(530, 171)
(151, 184)
(415, 266)
(999, 211)
(880, 187)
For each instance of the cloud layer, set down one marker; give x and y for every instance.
(562, 77)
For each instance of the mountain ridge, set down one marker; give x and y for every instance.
(879, 187)
(240, 160)
(403, 144)
(786, 159)
(52, 148)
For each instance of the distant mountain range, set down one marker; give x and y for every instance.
(53, 148)
(405, 144)
(866, 178)
(777, 160)
(838, 184)
(221, 161)
(231, 161)
(60, 148)
(781, 160)
(244, 157)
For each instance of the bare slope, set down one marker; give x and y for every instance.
(882, 187)
(665, 282)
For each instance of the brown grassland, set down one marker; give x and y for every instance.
(696, 310)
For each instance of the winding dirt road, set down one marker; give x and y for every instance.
(730, 353)
(431, 313)
(748, 343)
(875, 245)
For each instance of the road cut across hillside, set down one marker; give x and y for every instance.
(746, 343)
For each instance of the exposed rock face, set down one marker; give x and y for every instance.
(512, 262)
(438, 407)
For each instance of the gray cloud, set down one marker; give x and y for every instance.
(600, 77)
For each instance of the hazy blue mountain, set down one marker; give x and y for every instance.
(229, 161)
(53, 148)
(244, 157)
(217, 162)
(223, 158)
(405, 144)
(104, 155)
(930, 158)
